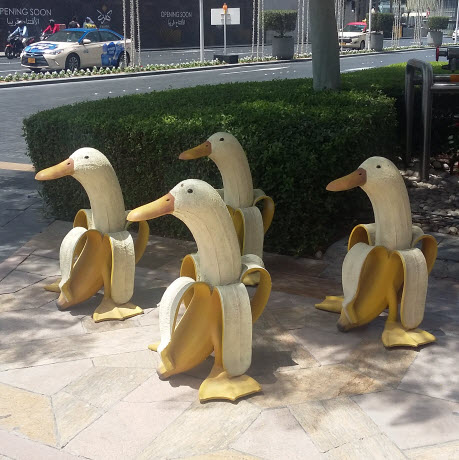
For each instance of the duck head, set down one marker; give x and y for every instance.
(381, 180)
(218, 146)
(199, 206)
(81, 163)
(375, 173)
(191, 196)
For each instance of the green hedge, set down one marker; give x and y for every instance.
(297, 140)
(382, 22)
(390, 80)
(280, 21)
(438, 22)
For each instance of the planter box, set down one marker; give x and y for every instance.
(228, 58)
(377, 41)
(283, 47)
(435, 38)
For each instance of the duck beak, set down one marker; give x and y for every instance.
(66, 168)
(355, 179)
(160, 207)
(203, 150)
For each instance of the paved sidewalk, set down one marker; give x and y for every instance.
(71, 389)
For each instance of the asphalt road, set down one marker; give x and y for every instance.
(176, 56)
(18, 103)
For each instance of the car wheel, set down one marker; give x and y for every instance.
(362, 45)
(121, 64)
(72, 63)
(9, 53)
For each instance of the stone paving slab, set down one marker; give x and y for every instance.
(412, 420)
(276, 434)
(71, 388)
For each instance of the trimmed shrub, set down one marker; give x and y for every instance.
(390, 80)
(280, 21)
(297, 141)
(438, 22)
(382, 22)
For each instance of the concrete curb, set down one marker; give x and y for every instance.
(15, 84)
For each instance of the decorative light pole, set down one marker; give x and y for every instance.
(201, 30)
(225, 10)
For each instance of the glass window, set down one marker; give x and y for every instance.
(93, 36)
(107, 36)
(65, 36)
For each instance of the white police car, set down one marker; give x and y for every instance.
(72, 49)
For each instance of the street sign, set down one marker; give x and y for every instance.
(233, 16)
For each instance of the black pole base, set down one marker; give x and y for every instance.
(228, 58)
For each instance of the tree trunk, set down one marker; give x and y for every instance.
(325, 48)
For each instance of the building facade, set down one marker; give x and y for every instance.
(163, 23)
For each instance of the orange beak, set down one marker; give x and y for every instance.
(203, 150)
(355, 179)
(160, 207)
(66, 168)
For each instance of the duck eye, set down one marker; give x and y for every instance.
(181, 185)
(378, 166)
(190, 190)
(86, 157)
(221, 139)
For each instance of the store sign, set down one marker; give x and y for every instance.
(163, 23)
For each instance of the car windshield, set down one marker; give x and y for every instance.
(354, 28)
(66, 36)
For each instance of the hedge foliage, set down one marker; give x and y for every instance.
(280, 21)
(297, 140)
(438, 22)
(382, 22)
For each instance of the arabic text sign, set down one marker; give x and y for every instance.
(31, 16)
(233, 16)
(176, 18)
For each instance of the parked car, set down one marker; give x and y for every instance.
(456, 35)
(72, 49)
(353, 35)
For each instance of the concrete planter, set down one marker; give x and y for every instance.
(435, 38)
(377, 41)
(283, 47)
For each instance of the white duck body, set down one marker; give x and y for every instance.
(219, 312)
(382, 259)
(238, 193)
(98, 250)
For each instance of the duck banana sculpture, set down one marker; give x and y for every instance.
(219, 313)
(99, 251)
(238, 192)
(383, 267)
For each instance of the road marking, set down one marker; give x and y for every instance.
(188, 51)
(254, 70)
(16, 166)
(356, 69)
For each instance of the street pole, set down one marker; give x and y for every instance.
(201, 30)
(369, 24)
(457, 23)
(225, 8)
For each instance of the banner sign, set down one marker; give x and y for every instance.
(163, 23)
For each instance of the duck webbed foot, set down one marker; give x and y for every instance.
(219, 385)
(331, 303)
(109, 310)
(53, 287)
(395, 335)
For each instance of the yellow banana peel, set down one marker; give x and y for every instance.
(99, 251)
